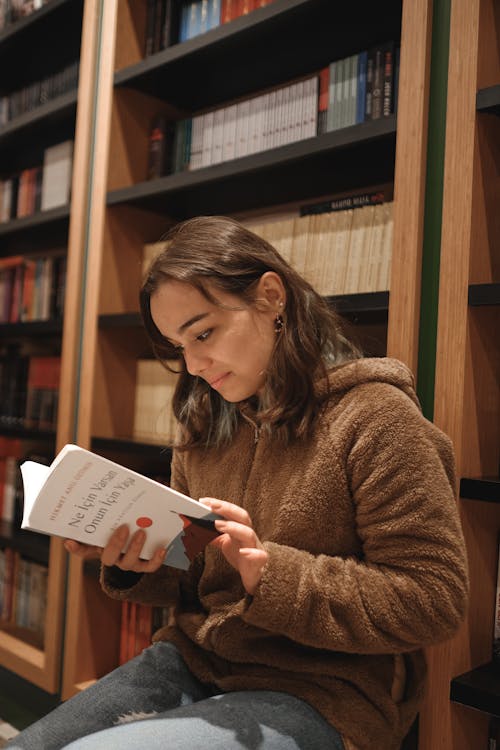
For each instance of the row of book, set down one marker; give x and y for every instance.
(137, 624)
(23, 594)
(340, 96)
(358, 88)
(29, 390)
(10, 479)
(169, 22)
(14, 10)
(32, 288)
(153, 416)
(37, 93)
(40, 187)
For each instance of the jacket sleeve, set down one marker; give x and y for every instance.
(159, 589)
(409, 586)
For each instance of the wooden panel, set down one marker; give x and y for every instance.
(132, 119)
(130, 32)
(467, 400)
(409, 181)
(92, 631)
(96, 231)
(127, 230)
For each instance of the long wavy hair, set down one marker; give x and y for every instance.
(217, 253)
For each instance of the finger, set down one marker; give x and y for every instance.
(229, 510)
(130, 558)
(240, 533)
(113, 549)
(84, 551)
(254, 554)
(151, 566)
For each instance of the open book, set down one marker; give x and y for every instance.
(85, 497)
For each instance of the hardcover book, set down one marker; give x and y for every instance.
(85, 497)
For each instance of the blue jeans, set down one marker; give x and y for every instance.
(186, 714)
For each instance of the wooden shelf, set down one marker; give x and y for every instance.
(31, 328)
(479, 688)
(193, 74)
(484, 294)
(27, 543)
(488, 100)
(343, 159)
(480, 489)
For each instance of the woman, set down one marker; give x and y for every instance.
(340, 553)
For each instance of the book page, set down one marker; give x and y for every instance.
(85, 497)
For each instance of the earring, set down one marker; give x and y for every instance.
(278, 323)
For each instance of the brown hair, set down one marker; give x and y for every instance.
(217, 252)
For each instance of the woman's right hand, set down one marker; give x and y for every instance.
(112, 553)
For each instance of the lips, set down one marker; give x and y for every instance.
(216, 382)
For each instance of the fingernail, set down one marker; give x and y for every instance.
(219, 524)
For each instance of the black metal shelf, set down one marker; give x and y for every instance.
(129, 445)
(45, 228)
(484, 294)
(344, 159)
(36, 18)
(28, 543)
(52, 35)
(120, 320)
(488, 100)
(486, 489)
(262, 47)
(35, 328)
(479, 688)
(41, 121)
(364, 307)
(25, 433)
(364, 304)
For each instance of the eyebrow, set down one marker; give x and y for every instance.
(191, 322)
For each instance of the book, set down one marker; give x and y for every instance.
(85, 497)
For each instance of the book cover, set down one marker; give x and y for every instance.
(85, 497)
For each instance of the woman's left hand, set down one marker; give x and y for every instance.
(238, 542)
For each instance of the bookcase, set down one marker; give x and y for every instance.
(467, 387)
(33, 48)
(271, 46)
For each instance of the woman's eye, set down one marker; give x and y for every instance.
(204, 336)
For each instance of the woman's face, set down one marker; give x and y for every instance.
(229, 348)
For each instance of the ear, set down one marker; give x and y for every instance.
(272, 290)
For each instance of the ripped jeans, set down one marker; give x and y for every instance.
(154, 702)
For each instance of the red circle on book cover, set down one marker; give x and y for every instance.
(143, 522)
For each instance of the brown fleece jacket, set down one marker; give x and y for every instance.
(366, 559)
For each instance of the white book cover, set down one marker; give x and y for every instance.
(229, 133)
(218, 134)
(85, 497)
(56, 180)
(208, 134)
(242, 121)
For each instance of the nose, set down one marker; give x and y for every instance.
(195, 363)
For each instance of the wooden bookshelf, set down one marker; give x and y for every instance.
(128, 211)
(467, 390)
(22, 142)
